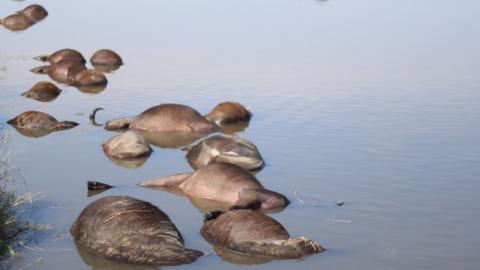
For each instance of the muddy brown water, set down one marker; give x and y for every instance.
(375, 103)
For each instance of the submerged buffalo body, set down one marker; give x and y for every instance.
(175, 118)
(106, 57)
(73, 73)
(63, 55)
(224, 183)
(226, 149)
(25, 18)
(229, 112)
(39, 120)
(43, 91)
(165, 118)
(128, 145)
(130, 230)
(255, 234)
(172, 118)
(62, 72)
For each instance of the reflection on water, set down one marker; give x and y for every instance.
(106, 69)
(371, 102)
(170, 139)
(204, 205)
(96, 262)
(95, 188)
(234, 127)
(95, 89)
(233, 256)
(33, 133)
(129, 163)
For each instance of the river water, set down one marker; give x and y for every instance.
(372, 102)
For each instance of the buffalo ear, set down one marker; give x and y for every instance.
(212, 215)
(95, 188)
(252, 205)
(248, 199)
(12, 121)
(94, 185)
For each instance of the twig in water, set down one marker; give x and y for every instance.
(124, 212)
(310, 202)
(61, 236)
(37, 248)
(339, 220)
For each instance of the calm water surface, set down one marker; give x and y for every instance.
(373, 102)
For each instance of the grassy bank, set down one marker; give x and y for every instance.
(16, 229)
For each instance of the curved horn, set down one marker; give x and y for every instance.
(43, 58)
(92, 117)
(40, 70)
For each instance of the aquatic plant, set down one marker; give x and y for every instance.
(16, 229)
